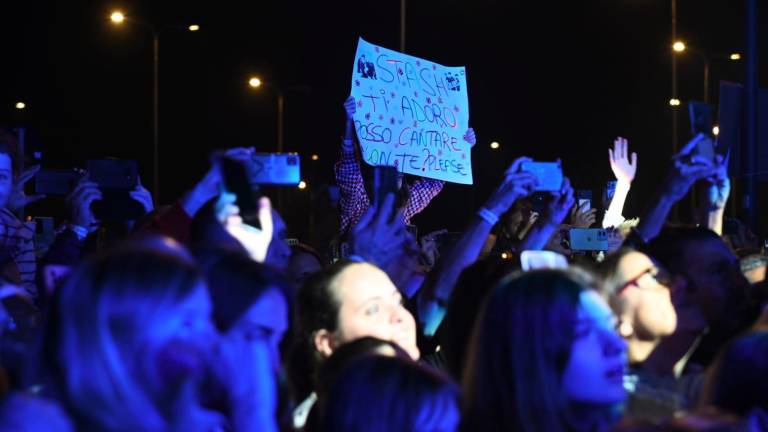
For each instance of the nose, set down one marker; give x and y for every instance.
(397, 314)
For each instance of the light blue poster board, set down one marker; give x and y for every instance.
(411, 113)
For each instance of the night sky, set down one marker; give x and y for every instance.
(546, 79)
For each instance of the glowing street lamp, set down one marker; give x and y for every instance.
(495, 145)
(674, 102)
(315, 157)
(117, 17)
(194, 28)
(254, 82)
(735, 56)
(20, 105)
(678, 46)
(302, 185)
(716, 130)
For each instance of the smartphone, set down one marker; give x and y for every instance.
(116, 178)
(701, 116)
(283, 169)
(588, 239)
(538, 259)
(56, 182)
(610, 190)
(237, 181)
(114, 174)
(584, 198)
(549, 174)
(705, 147)
(384, 182)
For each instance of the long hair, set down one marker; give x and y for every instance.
(100, 349)
(521, 346)
(739, 381)
(381, 394)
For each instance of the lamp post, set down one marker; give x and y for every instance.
(118, 18)
(256, 83)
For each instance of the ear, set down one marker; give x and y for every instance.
(324, 342)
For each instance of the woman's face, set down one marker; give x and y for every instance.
(184, 335)
(645, 300)
(595, 369)
(266, 320)
(371, 305)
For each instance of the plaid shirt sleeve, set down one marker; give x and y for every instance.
(353, 200)
(422, 192)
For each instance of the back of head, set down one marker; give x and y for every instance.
(381, 393)
(235, 282)
(671, 247)
(520, 348)
(472, 288)
(109, 326)
(739, 382)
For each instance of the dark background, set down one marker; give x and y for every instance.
(546, 79)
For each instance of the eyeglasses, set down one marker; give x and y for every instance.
(660, 276)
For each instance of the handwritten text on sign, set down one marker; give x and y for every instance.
(411, 113)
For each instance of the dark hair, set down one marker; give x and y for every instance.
(236, 282)
(317, 308)
(669, 247)
(739, 381)
(380, 393)
(472, 288)
(522, 344)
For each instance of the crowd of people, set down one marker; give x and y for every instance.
(194, 317)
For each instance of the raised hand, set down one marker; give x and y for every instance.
(719, 184)
(79, 202)
(210, 185)
(470, 137)
(255, 241)
(142, 195)
(581, 217)
(350, 107)
(516, 184)
(559, 204)
(686, 170)
(377, 237)
(622, 167)
(18, 199)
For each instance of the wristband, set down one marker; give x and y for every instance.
(79, 231)
(488, 215)
(356, 258)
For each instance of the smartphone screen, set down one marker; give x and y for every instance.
(584, 199)
(588, 239)
(549, 174)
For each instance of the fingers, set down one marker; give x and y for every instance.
(634, 160)
(386, 210)
(517, 164)
(688, 148)
(27, 175)
(611, 156)
(34, 198)
(265, 217)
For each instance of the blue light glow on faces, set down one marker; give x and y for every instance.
(595, 369)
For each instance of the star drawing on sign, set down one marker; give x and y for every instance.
(359, 104)
(368, 116)
(357, 83)
(439, 100)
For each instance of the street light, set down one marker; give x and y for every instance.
(735, 56)
(315, 157)
(20, 105)
(674, 102)
(495, 145)
(302, 185)
(254, 82)
(716, 130)
(678, 46)
(117, 17)
(193, 28)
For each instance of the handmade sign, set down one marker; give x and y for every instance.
(411, 113)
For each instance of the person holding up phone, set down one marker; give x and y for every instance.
(355, 197)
